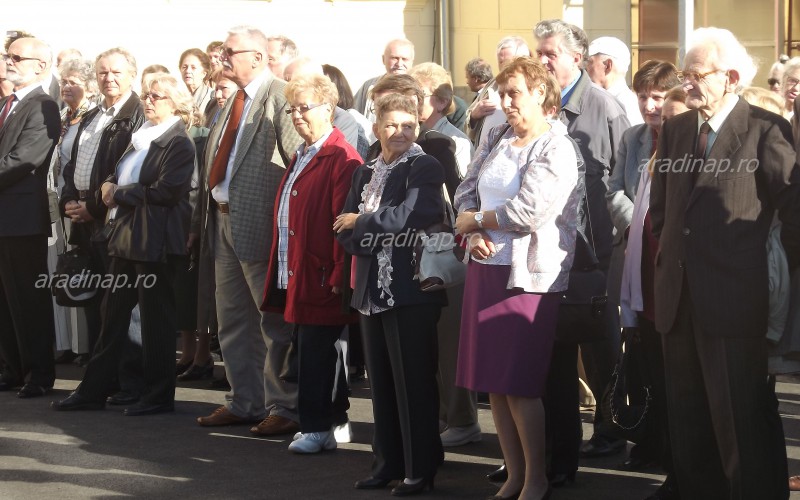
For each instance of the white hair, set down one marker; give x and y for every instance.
(725, 53)
(251, 33)
(790, 66)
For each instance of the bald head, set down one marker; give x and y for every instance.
(301, 66)
(35, 57)
(398, 56)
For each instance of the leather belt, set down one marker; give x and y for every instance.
(223, 208)
(83, 194)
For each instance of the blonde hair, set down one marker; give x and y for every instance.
(185, 107)
(396, 102)
(320, 85)
(432, 75)
(763, 98)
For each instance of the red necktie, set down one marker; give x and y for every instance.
(7, 109)
(220, 165)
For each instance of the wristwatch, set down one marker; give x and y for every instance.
(479, 219)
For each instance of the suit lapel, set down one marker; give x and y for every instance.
(251, 123)
(724, 148)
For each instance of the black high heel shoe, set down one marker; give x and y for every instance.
(404, 489)
(499, 475)
(197, 372)
(372, 483)
(182, 367)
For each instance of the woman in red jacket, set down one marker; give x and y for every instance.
(305, 273)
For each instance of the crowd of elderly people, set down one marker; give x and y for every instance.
(256, 200)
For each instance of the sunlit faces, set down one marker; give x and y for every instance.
(398, 58)
(706, 90)
(650, 106)
(791, 86)
(192, 72)
(596, 67)
(23, 65)
(157, 106)
(275, 59)
(315, 121)
(396, 131)
(214, 58)
(518, 102)
(73, 89)
(240, 57)
(114, 76)
(560, 63)
(223, 90)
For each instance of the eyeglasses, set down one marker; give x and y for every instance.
(153, 97)
(694, 76)
(302, 109)
(227, 52)
(18, 59)
(791, 82)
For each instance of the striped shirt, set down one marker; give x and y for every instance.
(89, 142)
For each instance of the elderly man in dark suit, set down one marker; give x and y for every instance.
(29, 130)
(722, 170)
(246, 156)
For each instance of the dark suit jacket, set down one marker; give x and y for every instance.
(411, 201)
(713, 230)
(164, 181)
(114, 141)
(27, 140)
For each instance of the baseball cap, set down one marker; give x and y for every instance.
(613, 47)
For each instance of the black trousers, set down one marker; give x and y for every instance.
(157, 308)
(400, 348)
(27, 328)
(322, 392)
(563, 430)
(725, 430)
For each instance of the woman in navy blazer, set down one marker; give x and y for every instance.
(391, 198)
(151, 179)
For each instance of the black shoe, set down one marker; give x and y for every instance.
(140, 409)
(30, 390)
(372, 483)
(181, 367)
(600, 446)
(667, 491)
(404, 489)
(498, 476)
(637, 464)
(198, 372)
(122, 398)
(75, 402)
(83, 359)
(560, 479)
(66, 357)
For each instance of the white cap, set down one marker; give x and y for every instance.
(613, 47)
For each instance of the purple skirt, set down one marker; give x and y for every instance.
(506, 335)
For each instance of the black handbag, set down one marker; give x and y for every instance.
(139, 233)
(73, 283)
(629, 419)
(438, 258)
(582, 312)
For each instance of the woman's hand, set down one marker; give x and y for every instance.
(480, 245)
(107, 193)
(465, 222)
(344, 222)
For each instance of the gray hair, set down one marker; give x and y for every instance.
(122, 52)
(573, 39)
(790, 66)
(725, 53)
(83, 69)
(513, 42)
(479, 69)
(252, 33)
(184, 104)
(288, 47)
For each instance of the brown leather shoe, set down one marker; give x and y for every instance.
(794, 483)
(275, 425)
(221, 416)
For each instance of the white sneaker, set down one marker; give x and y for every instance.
(313, 442)
(458, 436)
(297, 435)
(343, 433)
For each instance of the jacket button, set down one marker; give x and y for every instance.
(291, 273)
(686, 231)
(291, 233)
(294, 192)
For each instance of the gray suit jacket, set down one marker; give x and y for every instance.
(633, 155)
(713, 225)
(266, 146)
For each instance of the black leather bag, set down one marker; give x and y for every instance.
(140, 233)
(73, 283)
(629, 419)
